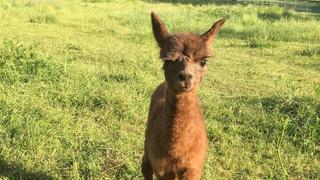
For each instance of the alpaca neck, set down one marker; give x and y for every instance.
(181, 106)
(182, 117)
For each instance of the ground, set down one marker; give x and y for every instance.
(76, 78)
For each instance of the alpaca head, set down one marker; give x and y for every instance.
(184, 55)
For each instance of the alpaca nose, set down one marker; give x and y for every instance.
(183, 76)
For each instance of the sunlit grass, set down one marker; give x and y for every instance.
(76, 78)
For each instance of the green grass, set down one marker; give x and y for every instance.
(76, 78)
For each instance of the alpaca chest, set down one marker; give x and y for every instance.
(186, 139)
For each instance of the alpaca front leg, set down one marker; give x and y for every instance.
(146, 168)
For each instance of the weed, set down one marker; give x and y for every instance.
(258, 43)
(43, 18)
(309, 51)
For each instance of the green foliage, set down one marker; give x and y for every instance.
(75, 90)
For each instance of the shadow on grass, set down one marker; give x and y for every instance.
(298, 117)
(16, 171)
(312, 66)
(264, 118)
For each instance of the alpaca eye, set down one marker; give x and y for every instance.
(203, 62)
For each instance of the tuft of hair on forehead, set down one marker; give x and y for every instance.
(185, 44)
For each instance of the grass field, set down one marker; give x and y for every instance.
(76, 78)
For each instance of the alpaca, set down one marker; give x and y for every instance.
(175, 138)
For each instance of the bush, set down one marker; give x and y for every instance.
(288, 13)
(275, 13)
(270, 14)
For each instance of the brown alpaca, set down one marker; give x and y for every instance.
(175, 139)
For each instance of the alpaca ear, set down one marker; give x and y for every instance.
(213, 31)
(160, 31)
